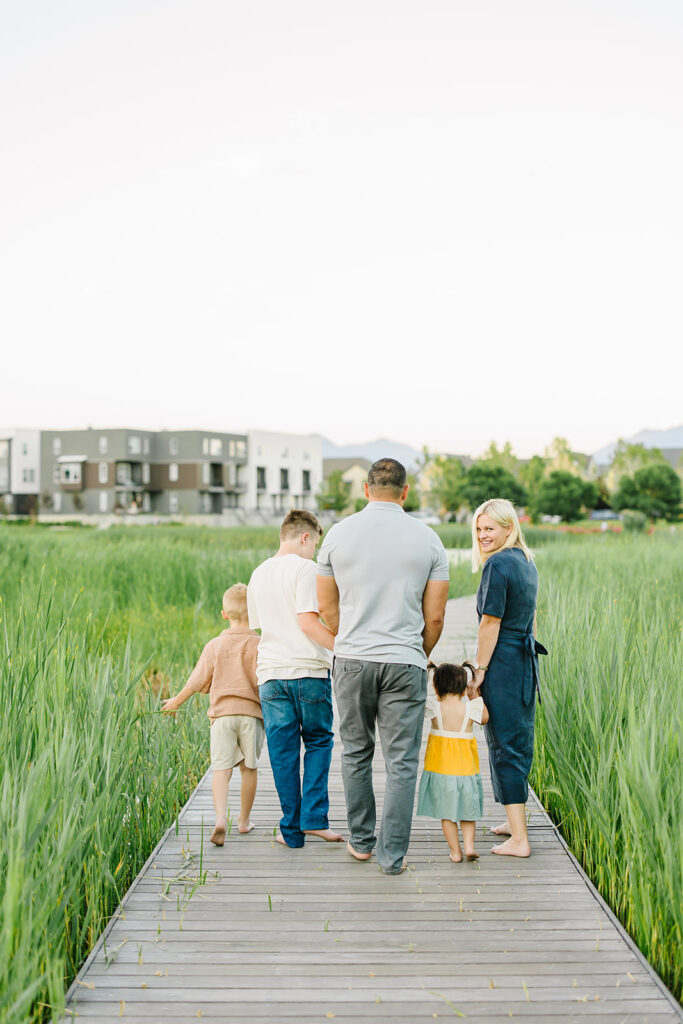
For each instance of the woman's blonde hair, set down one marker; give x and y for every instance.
(502, 512)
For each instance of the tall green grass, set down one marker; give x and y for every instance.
(610, 730)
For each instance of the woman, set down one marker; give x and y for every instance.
(507, 662)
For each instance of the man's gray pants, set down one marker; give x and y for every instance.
(393, 697)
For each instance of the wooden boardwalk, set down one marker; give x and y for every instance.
(312, 935)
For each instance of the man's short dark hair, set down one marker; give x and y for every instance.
(298, 521)
(387, 475)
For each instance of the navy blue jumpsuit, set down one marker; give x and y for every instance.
(507, 591)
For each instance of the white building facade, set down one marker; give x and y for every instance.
(20, 470)
(283, 471)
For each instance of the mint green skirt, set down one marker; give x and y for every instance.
(450, 797)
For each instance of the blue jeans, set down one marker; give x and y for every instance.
(296, 710)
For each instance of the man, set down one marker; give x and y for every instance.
(293, 670)
(382, 588)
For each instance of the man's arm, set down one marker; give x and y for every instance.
(328, 602)
(434, 612)
(310, 624)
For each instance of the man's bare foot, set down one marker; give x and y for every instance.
(456, 857)
(513, 848)
(502, 830)
(245, 827)
(358, 856)
(324, 833)
(218, 835)
(400, 871)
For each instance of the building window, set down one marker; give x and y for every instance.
(28, 476)
(146, 502)
(231, 449)
(56, 446)
(241, 449)
(24, 449)
(206, 471)
(205, 446)
(306, 481)
(261, 478)
(4, 449)
(173, 502)
(56, 479)
(104, 501)
(284, 479)
(206, 503)
(103, 472)
(103, 444)
(173, 445)
(173, 472)
(145, 472)
(134, 446)
(145, 446)
(57, 501)
(70, 473)
(215, 447)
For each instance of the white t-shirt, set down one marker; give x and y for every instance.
(278, 590)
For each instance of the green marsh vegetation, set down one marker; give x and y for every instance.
(95, 626)
(609, 739)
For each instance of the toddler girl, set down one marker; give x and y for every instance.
(450, 787)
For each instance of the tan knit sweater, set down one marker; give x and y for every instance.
(226, 671)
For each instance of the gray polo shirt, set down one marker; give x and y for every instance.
(381, 559)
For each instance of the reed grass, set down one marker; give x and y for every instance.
(609, 740)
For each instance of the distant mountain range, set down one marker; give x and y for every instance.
(373, 450)
(671, 438)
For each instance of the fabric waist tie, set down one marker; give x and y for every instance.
(532, 648)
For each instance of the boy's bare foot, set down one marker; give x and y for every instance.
(324, 833)
(513, 848)
(244, 828)
(358, 856)
(502, 830)
(471, 854)
(218, 835)
(456, 857)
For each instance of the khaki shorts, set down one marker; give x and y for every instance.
(236, 738)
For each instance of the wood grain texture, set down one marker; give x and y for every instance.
(313, 935)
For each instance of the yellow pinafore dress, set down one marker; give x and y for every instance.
(450, 787)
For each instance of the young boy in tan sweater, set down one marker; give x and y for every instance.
(226, 671)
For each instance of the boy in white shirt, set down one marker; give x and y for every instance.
(293, 669)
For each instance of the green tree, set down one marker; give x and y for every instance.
(412, 502)
(530, 475)
(446, 480)
(335, 492)
(483, 481)
(654, 490)
(504, 457)
(630, 457)
(565, 495)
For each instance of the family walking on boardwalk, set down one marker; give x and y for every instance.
(366, 617)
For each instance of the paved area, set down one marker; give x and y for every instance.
(273, 934)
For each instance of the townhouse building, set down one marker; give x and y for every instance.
(100, 472)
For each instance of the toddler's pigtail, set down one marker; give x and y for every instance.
(468, 665)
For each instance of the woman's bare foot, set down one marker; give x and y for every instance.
(358, 856)
(456, 856)
(279, 838)
(324, 833)
(218, 835)
(513, 848)
(502, 830)
(245, 827)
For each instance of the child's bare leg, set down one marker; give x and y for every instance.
(219, 791)
(247, 794)
(450, 831)
(468, 829)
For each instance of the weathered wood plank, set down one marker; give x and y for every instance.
(311, 934)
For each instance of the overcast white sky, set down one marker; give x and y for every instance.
(443, 221)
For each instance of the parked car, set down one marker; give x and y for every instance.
(604, 513)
